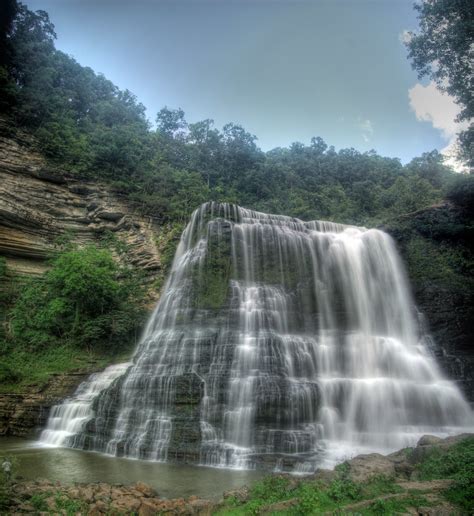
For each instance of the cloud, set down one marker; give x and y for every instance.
(431, 105)
(367, 130)
(405, 37)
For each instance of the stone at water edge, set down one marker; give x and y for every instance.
(362, 467)
(427, 440)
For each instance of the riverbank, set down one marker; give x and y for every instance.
(435, 477)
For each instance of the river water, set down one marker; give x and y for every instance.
(32, 461)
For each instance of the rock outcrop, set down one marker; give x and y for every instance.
(20, 414)
(38, 205)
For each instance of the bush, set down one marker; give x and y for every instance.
(8, 375)
(461, 192)
(85, 299)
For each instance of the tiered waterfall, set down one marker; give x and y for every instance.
(276, 343)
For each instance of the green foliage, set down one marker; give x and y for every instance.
(393, 506)
(457, 463)
(3, 267)
(211, 277)
(38, 501)
(70, 507)
(85, 300)
(344, 489)
(89, 127)
(407, 194)
(442, 50)
(443, 264)
(26, 367)
(8, 375)
(316, 497)
(379, 485)
(461, 192)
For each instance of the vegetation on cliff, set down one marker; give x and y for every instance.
(84, 307)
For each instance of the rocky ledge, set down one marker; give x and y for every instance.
(401, 468)
(45, 497)
(21, 413)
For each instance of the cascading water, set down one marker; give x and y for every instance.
(279, 343)
(67, 418)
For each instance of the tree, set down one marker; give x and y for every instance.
(443, 50)
(85, 299)
(171, 122)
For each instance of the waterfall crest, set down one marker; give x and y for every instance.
(276, 343)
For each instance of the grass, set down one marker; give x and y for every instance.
(392, 506)
(312, 497)
(456, 463)
(34, 368)
(383, 496)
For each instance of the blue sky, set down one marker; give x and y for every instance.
(285, 70)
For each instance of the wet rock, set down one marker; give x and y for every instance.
(86, 494)
(127, 504)
(363, 467)
(145, 489)
(113, 216)
(201, 507)
(427, 440)
(148, 508)
(241, 495)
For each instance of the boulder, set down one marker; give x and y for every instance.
(428, 440)
(242, 494)
(363, 467)
(145, 489)
(126, 504)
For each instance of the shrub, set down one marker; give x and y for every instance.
(85, 299)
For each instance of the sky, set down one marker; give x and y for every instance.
(286, 70)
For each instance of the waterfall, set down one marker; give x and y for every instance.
(67, 418)
(276, 343)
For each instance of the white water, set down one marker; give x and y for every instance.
(69, 417)
(313, 353)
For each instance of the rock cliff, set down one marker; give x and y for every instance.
(38, 205)
(21, 413)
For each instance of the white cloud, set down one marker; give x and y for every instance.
(431, 105)
(367, 129)
(405, 37)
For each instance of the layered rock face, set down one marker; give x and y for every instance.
(21, 413)
(38, 205)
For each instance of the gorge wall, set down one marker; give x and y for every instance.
(38, 205)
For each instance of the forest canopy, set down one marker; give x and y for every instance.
(88, 127)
